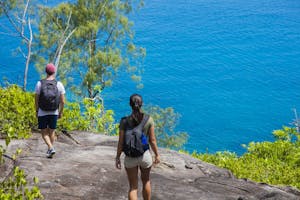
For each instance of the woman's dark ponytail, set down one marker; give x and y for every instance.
(136, 102)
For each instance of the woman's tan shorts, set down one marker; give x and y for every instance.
(144, 161)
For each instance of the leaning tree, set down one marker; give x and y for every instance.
(90, 42)
(19, 14)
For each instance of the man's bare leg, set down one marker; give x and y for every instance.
(51, 135)
(46, 137)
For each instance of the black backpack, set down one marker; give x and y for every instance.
(49, 96)
(135, 141)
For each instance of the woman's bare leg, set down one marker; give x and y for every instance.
(132, 174)
(145, 176)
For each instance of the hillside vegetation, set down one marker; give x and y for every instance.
(276, 163)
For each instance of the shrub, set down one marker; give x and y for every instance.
(17, 114)
(90, 116)
(15, 187)
(17, 118)
(165, 122)
(276, 163)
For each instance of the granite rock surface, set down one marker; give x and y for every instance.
(83, 169)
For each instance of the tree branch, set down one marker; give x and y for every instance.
(9, 34)
(61, 46)
(24, 16)
(109, 36)
(11, 21)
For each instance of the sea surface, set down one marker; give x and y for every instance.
(231, 68)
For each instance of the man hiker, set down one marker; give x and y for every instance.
(49, 104)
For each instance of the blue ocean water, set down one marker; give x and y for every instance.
(231, 68)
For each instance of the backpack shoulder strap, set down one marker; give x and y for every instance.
(42, 81)
(144, 121)
(129, 125)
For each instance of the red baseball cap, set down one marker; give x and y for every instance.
(50, 68)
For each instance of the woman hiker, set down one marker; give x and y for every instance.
(133, 162)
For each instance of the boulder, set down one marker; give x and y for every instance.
(84, 168)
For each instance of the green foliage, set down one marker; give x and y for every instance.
(7, 5)
(2, 151)
(165, 123)
(17, 113)
(276, 163)
(72, 118)
(17, 116)
(91, 116)
(101, 42)
(287, 134)
(15, 187)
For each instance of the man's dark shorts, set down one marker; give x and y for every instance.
(48, 121)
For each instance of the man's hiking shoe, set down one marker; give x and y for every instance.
(50, 153)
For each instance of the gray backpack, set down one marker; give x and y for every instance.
(135, 141)
(49, 96)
